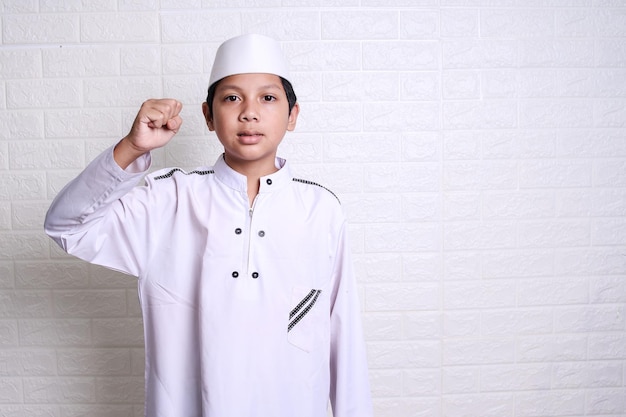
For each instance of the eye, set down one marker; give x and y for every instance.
(269, 98)
(231, 98)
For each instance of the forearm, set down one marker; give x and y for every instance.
(349, 389)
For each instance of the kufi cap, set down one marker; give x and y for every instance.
(248, 54)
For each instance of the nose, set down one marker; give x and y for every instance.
(249, 112)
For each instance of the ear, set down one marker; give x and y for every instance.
(293, 117)
(207, 116)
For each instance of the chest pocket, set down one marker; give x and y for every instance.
(304, 322)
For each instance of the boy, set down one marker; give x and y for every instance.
(245, 281)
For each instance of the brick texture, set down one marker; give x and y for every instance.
(478, 147)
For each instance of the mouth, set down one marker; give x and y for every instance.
(249, 136)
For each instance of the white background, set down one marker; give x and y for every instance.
(478, 147)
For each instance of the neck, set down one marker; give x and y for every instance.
(254, 169)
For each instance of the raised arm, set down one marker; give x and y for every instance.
(95, 217)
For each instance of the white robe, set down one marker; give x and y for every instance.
(248, 312)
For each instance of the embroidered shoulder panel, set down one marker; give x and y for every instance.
(173, 171)
(316, 184)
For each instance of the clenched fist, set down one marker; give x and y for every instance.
(157, 121)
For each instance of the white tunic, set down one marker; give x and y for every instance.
(248, 312)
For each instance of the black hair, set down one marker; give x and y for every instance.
(291, 95)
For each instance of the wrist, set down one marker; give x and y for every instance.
(125, 153)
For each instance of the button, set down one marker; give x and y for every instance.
(235, 274)
(255, 275)
(238, 231)
(261, 233)
(268, 181)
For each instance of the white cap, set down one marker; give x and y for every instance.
(248, 54)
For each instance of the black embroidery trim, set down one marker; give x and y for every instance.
(304, 312)
(301, 303)
(169, 174)
(314, 183)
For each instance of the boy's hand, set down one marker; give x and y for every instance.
(157, 121)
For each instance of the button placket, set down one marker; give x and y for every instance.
(261, 234)
(238, 231)
(251, 230)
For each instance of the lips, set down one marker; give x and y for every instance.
(249, 136)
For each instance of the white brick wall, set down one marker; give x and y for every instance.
(478, 146)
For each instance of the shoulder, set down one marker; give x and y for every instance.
(316, 190)
(177, 181)
(170, 173)
(319, 205)
(175, 175)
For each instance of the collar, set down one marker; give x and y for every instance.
(239, 182)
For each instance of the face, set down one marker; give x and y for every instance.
(250, 117)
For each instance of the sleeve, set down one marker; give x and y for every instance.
(349, 386)
(101, 216)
